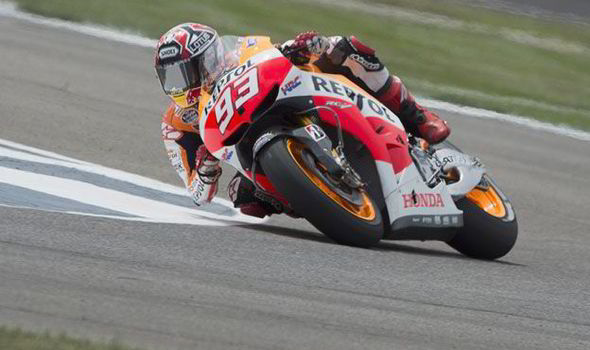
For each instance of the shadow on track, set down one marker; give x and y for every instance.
(290, 232)
(396, 247)
(384, 246)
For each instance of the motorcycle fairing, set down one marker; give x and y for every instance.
(383, 134)
(355, 109)
(237, 95)
(417, 204)
(339, 89)
(252, 46)
(359, 113)
(469, 170)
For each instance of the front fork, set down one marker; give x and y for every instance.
(329, 157)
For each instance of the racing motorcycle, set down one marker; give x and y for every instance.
(318, 146)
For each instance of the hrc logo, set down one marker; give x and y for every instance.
(291, 85)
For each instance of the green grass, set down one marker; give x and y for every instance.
(16, 339)
(481, 62)
(456, 9)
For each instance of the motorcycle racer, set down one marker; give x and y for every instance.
(190, 57)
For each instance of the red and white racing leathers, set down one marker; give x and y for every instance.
(341, 55)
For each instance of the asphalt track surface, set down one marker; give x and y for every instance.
(280, 285)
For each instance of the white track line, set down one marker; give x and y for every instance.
(151, 210)
(40, 156)
(10, 10)
(143, 208)
(563, 130)
(96, 169)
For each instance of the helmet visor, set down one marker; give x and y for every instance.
(212, 63)
(178, 77)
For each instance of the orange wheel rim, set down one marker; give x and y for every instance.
(365, 211)
(488, 200)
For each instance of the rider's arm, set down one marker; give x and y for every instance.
(341, 55)
(301, 49)
(196, 167)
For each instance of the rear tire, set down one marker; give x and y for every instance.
(484, 236)
(308, 200)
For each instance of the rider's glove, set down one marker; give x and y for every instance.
(307, 44)
(207, 166)
(312, 43)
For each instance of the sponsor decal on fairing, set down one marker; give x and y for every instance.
(315, 132)
(366, 104)
(245, 87)
(422, 200)
(413, 202)
(235, 88)
(437, 220)
(237, 72)
(223, 82)
(227, 154)
(338, 104)
(291, 85)
(251, 42)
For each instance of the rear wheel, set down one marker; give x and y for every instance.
(489, 227)
(346, 215)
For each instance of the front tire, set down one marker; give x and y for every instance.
(291, 169)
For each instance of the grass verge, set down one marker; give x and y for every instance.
(16, 339)
(442, 49)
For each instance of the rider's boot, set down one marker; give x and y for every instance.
(249, 200)
(416, 119)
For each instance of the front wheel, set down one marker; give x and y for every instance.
(489, 227)
(346, 215)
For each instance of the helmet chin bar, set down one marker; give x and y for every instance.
(187, 99)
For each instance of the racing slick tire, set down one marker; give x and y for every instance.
(486, 235)
(294, 172)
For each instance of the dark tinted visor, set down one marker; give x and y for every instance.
(179, 77)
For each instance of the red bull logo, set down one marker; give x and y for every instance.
(192, 96)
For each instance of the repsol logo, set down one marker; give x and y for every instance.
(223, 81)
(364, 104)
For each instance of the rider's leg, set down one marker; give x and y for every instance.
(353, 59)
(416, 119)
